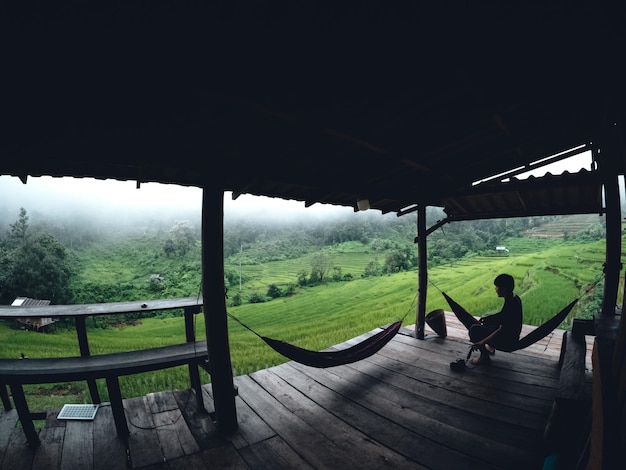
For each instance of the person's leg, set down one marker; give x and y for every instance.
(477, 333)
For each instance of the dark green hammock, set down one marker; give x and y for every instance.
(537, 334)
(331, 358)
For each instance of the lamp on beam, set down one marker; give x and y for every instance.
(363, 204)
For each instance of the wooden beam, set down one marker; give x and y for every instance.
(216, 323)
(613, 232)
(420, 320)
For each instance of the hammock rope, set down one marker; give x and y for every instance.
(537, 334)
(331, 358)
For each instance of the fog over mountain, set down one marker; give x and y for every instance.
(111, 203)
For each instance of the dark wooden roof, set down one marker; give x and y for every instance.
(396, 102)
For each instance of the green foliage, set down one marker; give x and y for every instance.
(321, 264)
(281, 262)
(372, 268)
(38, 267)
(274, 291)
(237, 300)
(256, 298)
(397, 260)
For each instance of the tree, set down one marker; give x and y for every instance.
(183, 235)
(320, 267)
(274, 291)
(372, 268)
(396, 261)
(168, 247)
(38, 268)
(18, 233)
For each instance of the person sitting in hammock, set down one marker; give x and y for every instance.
(499, 330)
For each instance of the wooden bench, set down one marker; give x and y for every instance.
(567, 427)
(18, 372)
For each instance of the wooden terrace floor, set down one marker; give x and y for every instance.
(401, 408)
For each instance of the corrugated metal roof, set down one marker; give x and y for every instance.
(28, 302)
(578, 193)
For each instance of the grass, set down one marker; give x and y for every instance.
(319, 317)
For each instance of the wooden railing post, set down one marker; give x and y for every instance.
(420, 320)
(32, 437)
(194, 373)
(83, 346)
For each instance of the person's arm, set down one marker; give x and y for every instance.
(482, 342)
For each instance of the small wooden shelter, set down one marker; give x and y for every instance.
(33, 323)
(400, 104)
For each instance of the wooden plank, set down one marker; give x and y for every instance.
(466, 409)
(354, 443)
(50, 451)
(218, 457)
(273, 453)
(174, 436)
(17, 456)
(295, 431)
(511, 380)
(8, 425)
(161, 402)
(69, 369)
(603, 440)
(77, 445)
(111, 308)
(516, 367)
(440, 375)
(109, 449)
(252, 428)
(573, 384)
(439, 354)
(378, 426)
(49, 454)
(8, 421)
(199, 421)
(143, 443)
(435, 423)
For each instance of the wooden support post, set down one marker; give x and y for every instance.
(420, 320)
(194, 373)
(604, 449)
(214, 294)
(6, 402)
(25, 417)
(612, 266)
(117, 407)
(83, 346)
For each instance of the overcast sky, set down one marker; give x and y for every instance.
(60, 194)
(54, 195)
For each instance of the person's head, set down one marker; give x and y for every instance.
(504, 284)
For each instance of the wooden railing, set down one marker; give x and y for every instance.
(16, 372)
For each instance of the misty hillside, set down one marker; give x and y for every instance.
(564, 226)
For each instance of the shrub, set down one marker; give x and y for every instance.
(274, 291)
(256, 298)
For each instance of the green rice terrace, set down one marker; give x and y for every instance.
(549, 274)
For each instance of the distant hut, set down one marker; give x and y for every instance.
(32, 323)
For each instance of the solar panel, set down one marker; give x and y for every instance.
(84, 412)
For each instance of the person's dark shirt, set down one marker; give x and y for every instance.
(510, 317)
